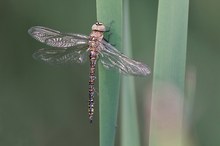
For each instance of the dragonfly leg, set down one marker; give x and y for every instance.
(108, 27)
(108, 31)
(107, 39)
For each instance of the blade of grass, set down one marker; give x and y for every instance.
(109, 12)
(169, 71)
(190, 86)
(129, 122)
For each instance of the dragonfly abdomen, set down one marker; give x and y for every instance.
(93, 57)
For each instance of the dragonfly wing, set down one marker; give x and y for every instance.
(55, 38)
(56, 56)
(110, 57)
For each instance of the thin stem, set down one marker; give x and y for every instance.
(169, 73)
(129, 123)
(109, 12)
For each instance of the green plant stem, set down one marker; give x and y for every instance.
(169, 72)
(129, 122)
(109, 12)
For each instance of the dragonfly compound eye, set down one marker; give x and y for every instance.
(98, 26)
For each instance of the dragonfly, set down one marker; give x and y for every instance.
(68, 48)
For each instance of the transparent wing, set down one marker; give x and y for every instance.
(111, 58)
(56, 56)
(55, 38)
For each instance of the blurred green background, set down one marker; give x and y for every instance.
(42, 105)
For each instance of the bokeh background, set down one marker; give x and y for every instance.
(42, 105)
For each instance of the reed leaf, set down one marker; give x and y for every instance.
(110, 13)
(129, 122)
(169, 73)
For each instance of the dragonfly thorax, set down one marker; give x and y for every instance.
(96, 35)
(95, 39)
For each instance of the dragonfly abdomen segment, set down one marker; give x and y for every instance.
(93, 57)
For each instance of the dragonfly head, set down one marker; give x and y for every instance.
(98, 26)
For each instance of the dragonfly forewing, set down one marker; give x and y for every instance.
(55, 38)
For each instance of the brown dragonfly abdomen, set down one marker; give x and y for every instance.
(93, 58)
